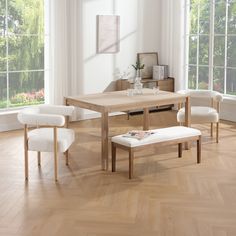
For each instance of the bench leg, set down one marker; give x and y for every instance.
(199, 150)
(131, 163)
(180, 149)
(217, 132)
(39, 158)
(212, 127)
(67, 156)
(113, 154)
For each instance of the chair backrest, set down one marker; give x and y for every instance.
(201, 93)
(203, 97)
(45, 115)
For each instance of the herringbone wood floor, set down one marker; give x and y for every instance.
(168, 196)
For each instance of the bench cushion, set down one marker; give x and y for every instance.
(160, 135)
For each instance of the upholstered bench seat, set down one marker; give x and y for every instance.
(160, 137)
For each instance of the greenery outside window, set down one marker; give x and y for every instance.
(211, 45)
(21, 53)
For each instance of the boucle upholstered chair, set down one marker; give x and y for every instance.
(49, 135)
(203, 114)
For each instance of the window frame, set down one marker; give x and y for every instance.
(45, 68)
(212, 35)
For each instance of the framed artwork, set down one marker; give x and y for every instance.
(108, 34)
(149, 59)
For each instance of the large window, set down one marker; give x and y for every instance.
(211, 45)
(21, 52)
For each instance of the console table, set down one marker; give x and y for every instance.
(165, 84)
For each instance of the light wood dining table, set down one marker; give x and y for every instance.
(117, 101)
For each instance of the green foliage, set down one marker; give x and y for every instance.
(138, 66)
(26, 46)
(199, 45)
(3, 104)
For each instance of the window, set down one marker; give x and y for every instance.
(211, 45)
(21, 53)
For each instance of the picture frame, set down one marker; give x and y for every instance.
(108, 34)
(149, 59)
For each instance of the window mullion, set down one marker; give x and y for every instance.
(186, 42)
(211, 46)
(198, 39)
(226, 45)
(7, 53)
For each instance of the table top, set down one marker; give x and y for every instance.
(120, 101)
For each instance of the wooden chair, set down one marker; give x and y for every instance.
(49, 134)
(203, 113)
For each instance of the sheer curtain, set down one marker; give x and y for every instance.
(65, 50)
(172, 39)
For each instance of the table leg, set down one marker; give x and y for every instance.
(146, 120)
(187, 117)
(104, 125)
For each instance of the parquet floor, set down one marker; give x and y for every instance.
(168, 196)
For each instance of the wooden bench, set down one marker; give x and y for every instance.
(161, 137)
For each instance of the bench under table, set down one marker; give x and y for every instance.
(160, 137)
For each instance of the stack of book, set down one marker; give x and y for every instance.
(160, 72)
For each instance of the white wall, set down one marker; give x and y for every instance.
(8, 121)
(139, 32)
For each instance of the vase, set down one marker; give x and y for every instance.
(138, 73)
(138, 86)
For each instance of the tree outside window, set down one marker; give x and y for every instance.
(21, 52)
(211, 40)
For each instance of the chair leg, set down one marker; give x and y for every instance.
(199, 146)
(26, 164)
(217, 132)
(55, 166)
(127, 115)
(212, 127)
(131, 163)
(39, 158)
(67, 157)
(180, 150)
(26, 152)
(113, 156)
(55, 153)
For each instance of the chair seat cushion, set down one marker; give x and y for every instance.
(199, 114)
(42, 139)
(160, 135)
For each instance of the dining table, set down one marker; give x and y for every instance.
(118, 101)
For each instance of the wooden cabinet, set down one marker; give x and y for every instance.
(166, 84)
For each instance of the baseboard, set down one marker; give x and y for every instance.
(10, 126)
